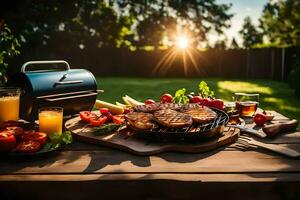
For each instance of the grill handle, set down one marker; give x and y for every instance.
(65, 63)
(71, 97)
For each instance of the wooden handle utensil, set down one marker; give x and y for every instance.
(274, 129)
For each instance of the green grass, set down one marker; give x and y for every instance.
(273, 95)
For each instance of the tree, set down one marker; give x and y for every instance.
(234, 44)
(249, 33)
(280, 22)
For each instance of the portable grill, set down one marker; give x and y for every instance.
(194, 133)
(73, 89)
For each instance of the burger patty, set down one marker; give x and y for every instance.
(172, 119)
(140, 120)
(200, 114)
(150, 108)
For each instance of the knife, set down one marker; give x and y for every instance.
(248, 130)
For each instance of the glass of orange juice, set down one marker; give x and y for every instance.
(9, 103)
(51, 120)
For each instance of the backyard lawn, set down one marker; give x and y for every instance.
(273, 95)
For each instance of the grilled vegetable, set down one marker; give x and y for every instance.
(114, 109)
(128, 100)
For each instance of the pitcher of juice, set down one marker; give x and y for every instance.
(9, 103)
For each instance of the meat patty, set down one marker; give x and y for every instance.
(139, 120)
(147, 107)
(172, 119)
(172, 106)
(200, 114)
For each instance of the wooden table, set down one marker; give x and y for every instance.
(88, 171)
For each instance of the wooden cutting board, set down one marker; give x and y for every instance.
(138, 146)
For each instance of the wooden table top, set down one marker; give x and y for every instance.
(87, 162)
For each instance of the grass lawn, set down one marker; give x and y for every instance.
(273, 95)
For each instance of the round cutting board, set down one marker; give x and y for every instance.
(82, 132)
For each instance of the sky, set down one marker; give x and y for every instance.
(242, 9)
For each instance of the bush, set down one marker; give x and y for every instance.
(294, 77)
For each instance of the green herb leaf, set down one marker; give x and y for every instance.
(180, 96)
(204, 90)
(55, 137)
(106, 128)
(67, 137)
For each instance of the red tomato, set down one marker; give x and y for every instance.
(28, 146)
(127, 110)
(166, 98)
(7, 141)
(16, 131)
(117, 120)
(86, 115)
(104, 111)
(149, 101)
(217, 103)
(36, 136)
(98, 121)
(205, 102)
(260, 119)
(195, 99)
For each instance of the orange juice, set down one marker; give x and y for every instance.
(9, 108)
(50, 121)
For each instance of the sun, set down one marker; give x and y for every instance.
(182, 42)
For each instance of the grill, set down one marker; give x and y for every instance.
(194, 133)
(57, 86)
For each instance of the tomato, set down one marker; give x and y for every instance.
(166, 98)
(127, 110)
(217, 103)
(86, 115)
(260, 119)
(149, 101)
(36, 136)
(98, 121)
(117, 120)
(28, 146)
(16, 131)
(7, 141)
(104, 111)
(205, 102)
(196, 99)
(8, 124)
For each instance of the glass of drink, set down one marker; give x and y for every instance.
(234, 115)
(51, 120)
(9, 103)
(246, 103)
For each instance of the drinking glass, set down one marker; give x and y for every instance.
(246, 103)
(231, 110)
(51, 120)
(9, 103)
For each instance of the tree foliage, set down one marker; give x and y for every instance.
(249, 33)
(280, 22)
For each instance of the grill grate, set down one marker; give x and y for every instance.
(194, 132)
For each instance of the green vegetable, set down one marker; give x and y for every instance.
(180, 96)
(106, 128)
(57, 140)
(204, 90)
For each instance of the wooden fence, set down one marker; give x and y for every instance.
(265, 63)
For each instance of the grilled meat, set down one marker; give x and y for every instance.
(139, 120)
(172, 106)
(147, 107)
(172, 119)
(200, 114)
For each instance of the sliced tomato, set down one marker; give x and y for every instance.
(16, 131)
(104, 111)
(36, 136)
(86, 115)
(98, 121)
(117, 120)
(7, 141)
(149, 101)
(28, 146)
(217, 103)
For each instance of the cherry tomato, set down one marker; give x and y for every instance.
(98, 121)
(86, 115)
(117, 120)
(205, 102)
(16, 131)
(36, 136)
(217, 103)
(28, 146)
(260, 119)
(166, 98)
(104, 111)
(7, 141)
(196, 99)
(149, 101)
